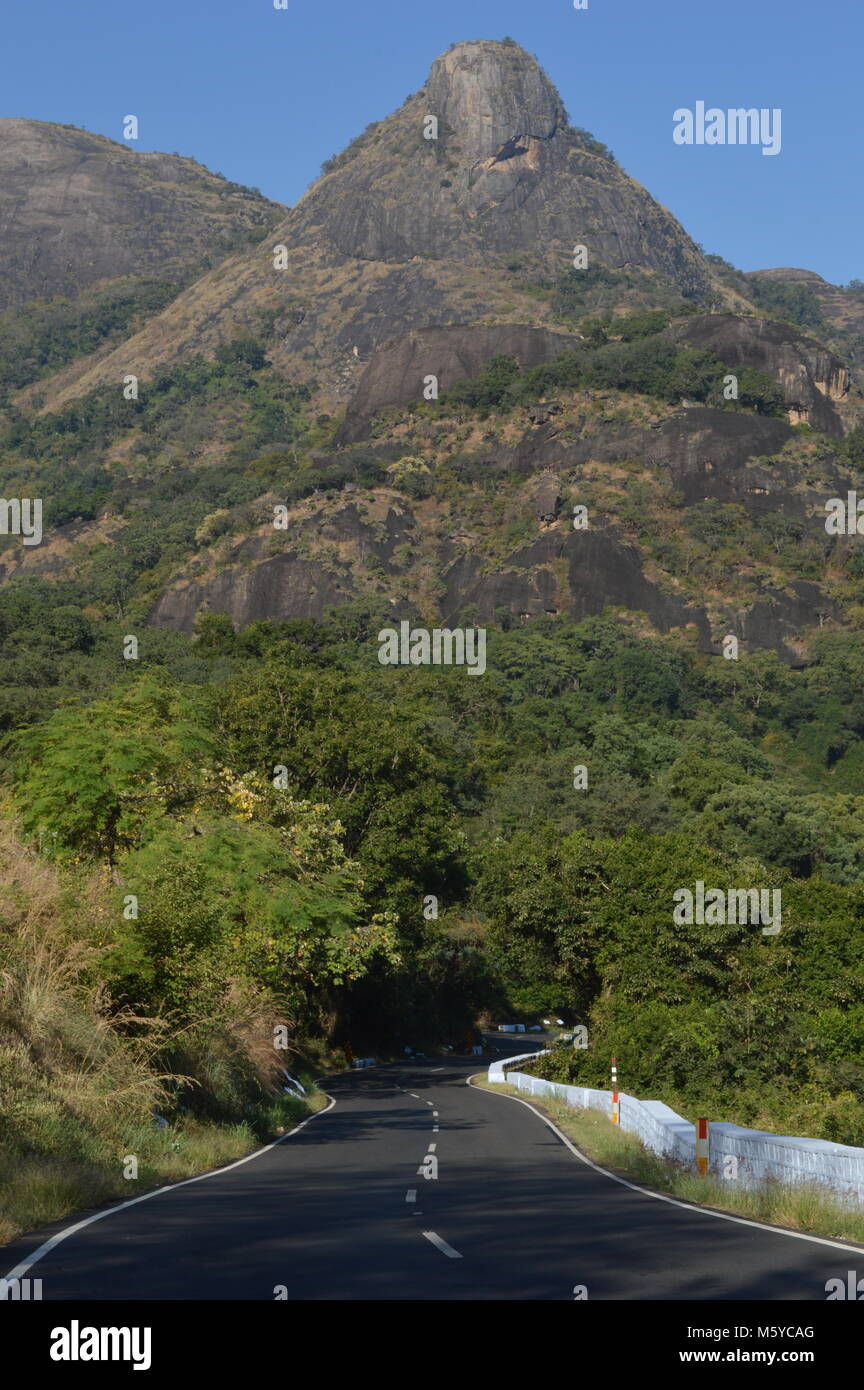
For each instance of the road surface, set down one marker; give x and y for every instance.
(340, 1211)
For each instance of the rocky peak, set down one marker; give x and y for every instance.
(496, 97)
(504, 172)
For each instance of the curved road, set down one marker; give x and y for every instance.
(511, 1214)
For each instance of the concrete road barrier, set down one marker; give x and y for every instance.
(748, 1157)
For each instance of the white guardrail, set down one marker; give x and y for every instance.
(749, 1157)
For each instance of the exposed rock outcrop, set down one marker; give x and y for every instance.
(601, 571)
(810, 376)
(506, 173)
(77, 208)
(779, 620)
(708, 453)
(285, 586)
(840, 309)
(396, 373)
(547, 498)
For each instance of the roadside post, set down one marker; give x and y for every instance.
(703, 1147)
(616, 1107)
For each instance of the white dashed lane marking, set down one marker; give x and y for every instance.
(442, 1246)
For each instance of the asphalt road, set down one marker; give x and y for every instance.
(511, 1215)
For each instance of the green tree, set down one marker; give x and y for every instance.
(93, 779)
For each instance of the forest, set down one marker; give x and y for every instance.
(259, 817)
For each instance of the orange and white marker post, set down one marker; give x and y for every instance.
(616, 1106)
(702, 1147)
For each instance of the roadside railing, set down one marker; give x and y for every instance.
(749, 1157)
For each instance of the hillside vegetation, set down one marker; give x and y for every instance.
(151, 782)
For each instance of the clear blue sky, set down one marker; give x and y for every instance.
(264, 95)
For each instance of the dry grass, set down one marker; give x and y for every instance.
(81, 1084)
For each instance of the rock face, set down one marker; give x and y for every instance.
(578, 573)
(547, 498)
(507, 173)
(346, 548)
(841, 310)
(466, 91)
(601, 571)
(77, 208)
(707, 453)
(282, 587)
(791, 274)
(778, 620)
(396, 373)
(811, 377)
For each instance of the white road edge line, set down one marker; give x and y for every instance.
(20, 1270)
(659, 1196)
(442, 1246)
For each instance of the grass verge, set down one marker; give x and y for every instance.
(798, 1208)
(41, 1187)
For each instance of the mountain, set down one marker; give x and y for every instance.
(507, 173)
(402, 231)
(293, 373)
(77, 209)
